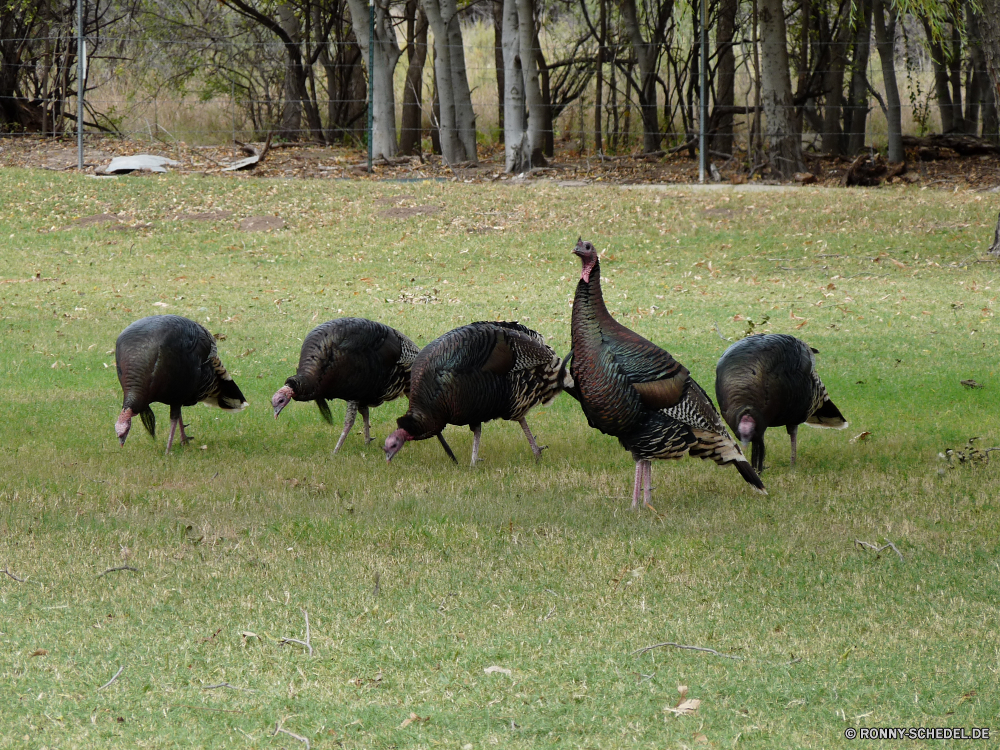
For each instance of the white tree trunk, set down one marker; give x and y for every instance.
(784, 141)
(386, 56)
(517, 152)
(457, 125)
(533, 101)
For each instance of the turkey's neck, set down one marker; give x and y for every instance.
(590, 314)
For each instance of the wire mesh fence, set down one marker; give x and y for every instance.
(210, 88)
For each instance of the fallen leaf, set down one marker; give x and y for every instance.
(684, 708)
(40, 652)
(803, 323)
(501, 670)
(860, 437)
(897, 263)
(413, 718)
(700, 739)
(970, 383)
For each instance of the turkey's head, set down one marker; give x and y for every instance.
(123, 425)
(281, 399)
(395, 442)
(746, 430)
(588, 256)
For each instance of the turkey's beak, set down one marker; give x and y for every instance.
(277, 410)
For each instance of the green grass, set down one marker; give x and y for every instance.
(420, 574)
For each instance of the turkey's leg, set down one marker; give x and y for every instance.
(637, 485)
(368, 425)
(175, 419)
(647, 483)
(350, 414)
(477, 433)
(535, 448)
(792, 433)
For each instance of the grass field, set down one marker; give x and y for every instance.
(420, 575)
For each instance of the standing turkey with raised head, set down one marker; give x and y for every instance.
(635, 391)
(770, 380)
(174, 361)
(473, 374)
(360, 361)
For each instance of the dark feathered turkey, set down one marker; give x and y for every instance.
(632, 389)
(359, 361)
(170, 360)
(473, 374)
(770, 380)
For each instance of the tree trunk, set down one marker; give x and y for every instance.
(384, 61)
(942, 79)
(885, 41)
(599, 86)
(533, 103)
(784, 142)
(990, 40)
(547, 125)
(498, 61)
(457, 120)
(725, 91)
(416, 53)
(646, 54)
(856, 111)
(833, 80)
(517, 149)
(291, 112)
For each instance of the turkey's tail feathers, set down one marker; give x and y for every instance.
(746, 471)
(829, 416)
(724, 450)
(230, 396)
(566, 381)
(148, 420)
(324, 410)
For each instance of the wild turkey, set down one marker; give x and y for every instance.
(473, 374)
(174, 361)
(770, 380)
(634, 390)
(360, 361)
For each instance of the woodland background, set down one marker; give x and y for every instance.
(785, 79)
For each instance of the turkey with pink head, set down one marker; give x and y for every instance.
(354, 359)
(473, 374)
(635, 391)
(770, 380)
(170, 360)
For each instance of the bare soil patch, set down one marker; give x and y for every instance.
(408, 212)
(89, 221)
(261, 223)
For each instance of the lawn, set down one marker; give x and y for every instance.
(419, 576)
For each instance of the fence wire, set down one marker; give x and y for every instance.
(233, 88)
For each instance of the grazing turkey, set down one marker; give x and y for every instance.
(770, 380)
(473, 374)
(360, 361)
(173, 361)
(635, 391)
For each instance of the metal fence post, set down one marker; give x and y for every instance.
(81, 76)
(371, 79)
(703, 115)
